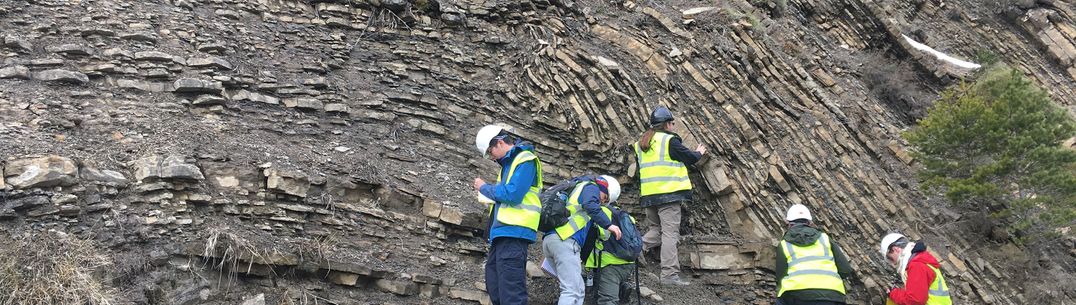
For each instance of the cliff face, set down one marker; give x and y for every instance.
(321, 150)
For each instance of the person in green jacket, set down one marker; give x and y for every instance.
(613, 270)
(810, 267)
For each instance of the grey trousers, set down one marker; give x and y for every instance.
(608, 286)
(664, 232)
(564, 255)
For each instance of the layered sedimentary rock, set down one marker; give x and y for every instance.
(334, 138)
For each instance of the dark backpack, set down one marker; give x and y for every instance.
(630, 244)
(555, 203)
(629, 247)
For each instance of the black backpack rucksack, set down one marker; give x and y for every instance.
(555, 203)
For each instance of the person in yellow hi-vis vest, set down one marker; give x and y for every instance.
(919, 270)
(613, 270)
(514, 211)
(664, 186)
(563, 244)
(810, 267)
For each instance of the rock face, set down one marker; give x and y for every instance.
(166, 167)
(324, 149)
(256, 300)
(62, 76)
(41, 172)
(19, 44)
(103, 176)
(15, 72)
(289, 182)
(193, 85)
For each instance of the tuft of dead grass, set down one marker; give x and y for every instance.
(318, 247)
(52, 268)
(229, 253)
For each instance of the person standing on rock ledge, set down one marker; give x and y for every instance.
(810, 268)
(919, 270)
(514, 211)
(563, 244)
(664, 187)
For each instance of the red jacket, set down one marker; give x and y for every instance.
(918, 281)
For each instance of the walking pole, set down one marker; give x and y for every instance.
(638, 293)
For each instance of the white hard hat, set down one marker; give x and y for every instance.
(486, 135)
(889, 239)
(614, 187)
(798, 211)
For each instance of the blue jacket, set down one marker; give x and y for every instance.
(590, 199)
(512, 193)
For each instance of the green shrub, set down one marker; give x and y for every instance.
(986, 57)
(994, 146)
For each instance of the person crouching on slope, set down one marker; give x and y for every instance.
(613, 270)
(810, 268)
(563, 244)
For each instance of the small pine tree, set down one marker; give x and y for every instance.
(994, 146)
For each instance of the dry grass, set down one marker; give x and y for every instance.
(52, 268)
(318, 248)
(229, 253)
(302, 297)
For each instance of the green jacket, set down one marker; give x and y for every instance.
(803, 235)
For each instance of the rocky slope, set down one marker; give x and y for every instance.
(321, 150)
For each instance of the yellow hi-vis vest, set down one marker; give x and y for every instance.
(939, 291)
(607, 258)
(578, 216)
(529, 211)
(658, 172)
(810, 267)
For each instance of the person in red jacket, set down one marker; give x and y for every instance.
(919, 270)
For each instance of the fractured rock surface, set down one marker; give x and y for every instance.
(332, 141)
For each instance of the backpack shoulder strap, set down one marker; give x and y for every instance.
(588, 244)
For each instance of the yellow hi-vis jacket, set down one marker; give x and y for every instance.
(939, 290)
(659, 173)
(578, 216)
(529, 211)
(607, 257)
(810, 267)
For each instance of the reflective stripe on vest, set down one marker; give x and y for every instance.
(528, 212)
(938, 293)
(810, 267)
(659, 173)
(607, 258)
(578, 216)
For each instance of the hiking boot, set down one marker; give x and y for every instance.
(674, 280)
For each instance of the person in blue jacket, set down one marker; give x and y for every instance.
(514, 212)
(562, 245)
